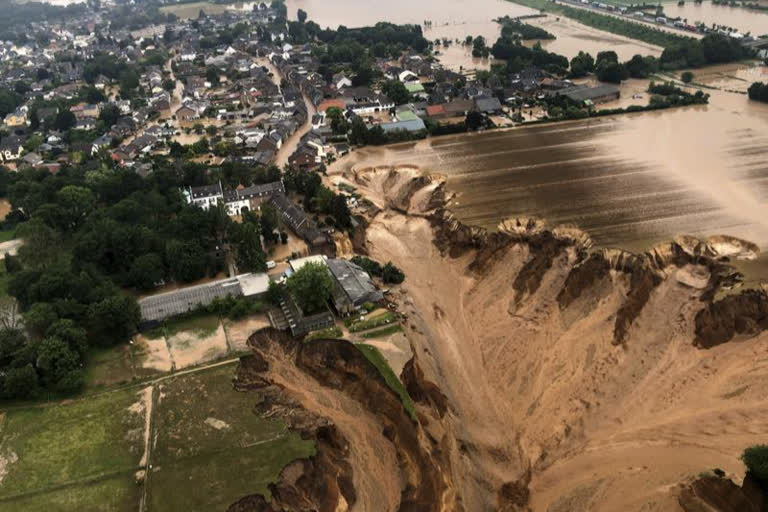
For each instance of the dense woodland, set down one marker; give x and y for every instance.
(95, 237)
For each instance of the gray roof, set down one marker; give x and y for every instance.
(165, 305)
(488, 104)
(414, 125)
(354, 282)
(584, 93)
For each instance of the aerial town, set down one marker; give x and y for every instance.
(297, 255)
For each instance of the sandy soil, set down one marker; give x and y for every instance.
(395, 348)
(368, 447)
(239, 332)
(5, 208)
(153, 354)
(190, 349)
(144, 407)
(603, 427)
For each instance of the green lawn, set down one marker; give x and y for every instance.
(211, 448)
(380, 333)
(117, 494)
(94, 438)
(213, 481)
(7, 234)
(374, 356)
(329, 333)
(376, 321)
(192, 9)
(108, 366)
(202, 325)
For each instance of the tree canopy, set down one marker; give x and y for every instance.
(311, 287)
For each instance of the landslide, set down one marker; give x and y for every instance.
(574, 378)
(370, 454)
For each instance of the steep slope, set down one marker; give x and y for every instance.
(570, 373)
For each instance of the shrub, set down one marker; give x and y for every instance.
(687, 77)
(756, 460)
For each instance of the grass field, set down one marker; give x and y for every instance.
(374, 356)
(374, 321)
(380, 333)
(108, 366)
(7, 234)
(209, 442)
(329, 333)
(208, 448)
(72, 454)
(192, 10)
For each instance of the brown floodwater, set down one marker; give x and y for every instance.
(744, 20)
(457, 19)
(630, 181)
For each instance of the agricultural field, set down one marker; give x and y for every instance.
(208, 442)
(81, 455)
(201, 439)
(192, 10)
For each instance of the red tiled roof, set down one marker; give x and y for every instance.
(330, 104)
(434, 110)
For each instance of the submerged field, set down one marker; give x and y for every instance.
(205, 446)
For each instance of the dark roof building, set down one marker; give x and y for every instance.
(353, 286)
(587, 95)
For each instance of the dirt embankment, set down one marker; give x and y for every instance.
(570, 376)
(370, 454)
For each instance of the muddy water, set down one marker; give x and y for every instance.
(630, 181)
(744, 20)
(456, 19)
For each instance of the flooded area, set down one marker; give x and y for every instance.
(630, 181)
(453, 20)
(743, 20)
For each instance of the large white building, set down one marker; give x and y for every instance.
(235, 200)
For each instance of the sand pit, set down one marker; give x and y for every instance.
(239, 332)
(152, 354)
(190, 348)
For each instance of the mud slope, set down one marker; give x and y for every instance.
(370, 454)
(581, 370)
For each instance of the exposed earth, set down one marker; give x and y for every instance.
(547, 375)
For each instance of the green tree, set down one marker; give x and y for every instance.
(391, 274)
(40, 317)
(109, 114)
(187, 260)
(359, 133)
(11, 342)
(64, 120)
(57, 361)
(250, 256)
(396, 91)
(212, 75)
(33, 142)
(68, 331)
(311, 286)
(301, 15)
(114, 319)
(269, 223)
(687, 77)
(582, 64)
(20, 382)
(74, 205)
(147, 270)
(474, 120)
(756, 460)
